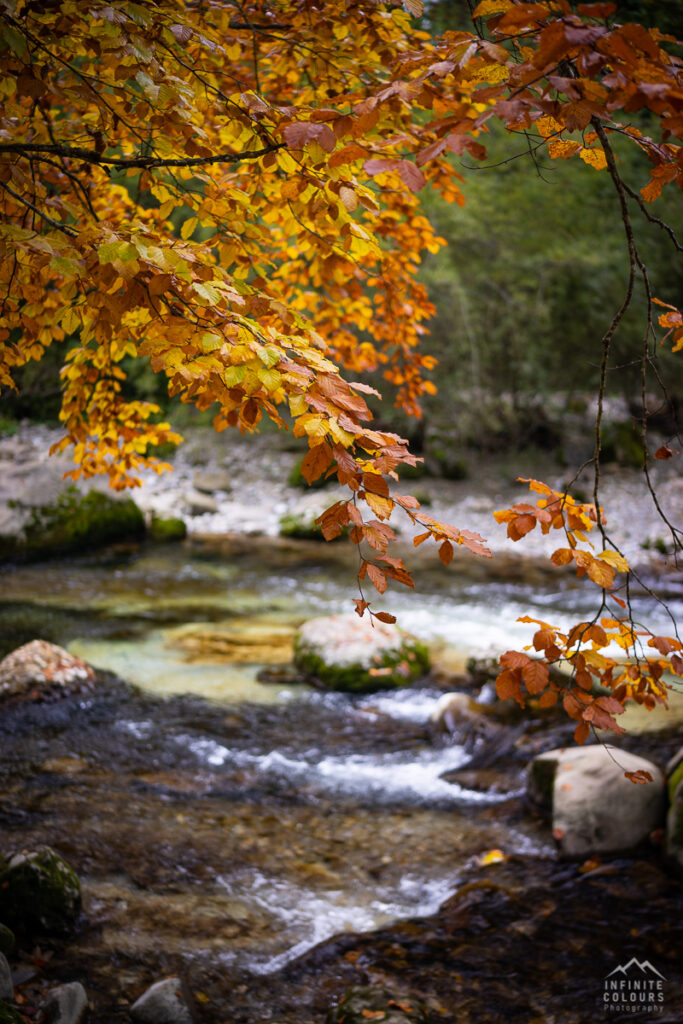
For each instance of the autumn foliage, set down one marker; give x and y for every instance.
(232, 190)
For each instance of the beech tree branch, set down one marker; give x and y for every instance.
(91, 156)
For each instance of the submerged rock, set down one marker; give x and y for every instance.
(43, 670)
(594, 807)
(345, 652)
(66, 1004)
(365, 1003)
(162, 1003)
(41, 893)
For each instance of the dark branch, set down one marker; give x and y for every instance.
(91, 156)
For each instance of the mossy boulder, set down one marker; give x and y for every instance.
(163, 530)
(363, 1003)
(76, 521)
(345, 652)
(41, 893)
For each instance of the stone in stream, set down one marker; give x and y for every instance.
(40, 892)
(345, 652)
(594, 807)
(210, 480)
(364, 1003)
(66, 1004)
(41, 670)
(162, 1003)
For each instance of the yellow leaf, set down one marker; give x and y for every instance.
(188, 227)
(614, 559)
(594, 157)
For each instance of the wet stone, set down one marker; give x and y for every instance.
(162, 1003)
(67, 1004)
(40, 669)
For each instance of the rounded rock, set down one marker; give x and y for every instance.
(66, 1004)
(595, 808)
(345, 652)
(162, 1003)
(367, 1002)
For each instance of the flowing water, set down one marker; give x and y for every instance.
(227, 838)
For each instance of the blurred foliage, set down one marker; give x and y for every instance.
(535, 268)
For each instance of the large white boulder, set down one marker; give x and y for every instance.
(595, 808)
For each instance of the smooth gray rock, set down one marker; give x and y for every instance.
(208, 481)
(66, 1004)
(6, 986)
(162, 1003)
(594, 807)
(198, 504)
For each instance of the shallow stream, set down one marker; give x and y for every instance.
(231, 839)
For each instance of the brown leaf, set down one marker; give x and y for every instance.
(535, 675)
(514, 659)
(385, 617)
(377, 577)
(446, 552)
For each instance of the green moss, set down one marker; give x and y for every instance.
(41, 893)
(76, 521)
(395, 668)
(167, 529)
(9, 1015)
(675, 781)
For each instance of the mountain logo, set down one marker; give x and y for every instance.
(635, 968)
(636, 986)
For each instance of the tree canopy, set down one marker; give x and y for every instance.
(231, 189)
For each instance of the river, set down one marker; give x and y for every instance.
(236, 831)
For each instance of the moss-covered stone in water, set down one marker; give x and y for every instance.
(675, 780)
(41, 893)
(373, 1002)
(343, 652)
(168, 529)
(77, 521)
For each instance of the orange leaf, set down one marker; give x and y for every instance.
(315, 462)
(377, 577)
(535, 675)
(514, 659)
(639, 776)
(446, 552)
(581, 732)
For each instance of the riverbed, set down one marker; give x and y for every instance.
(272, 844)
